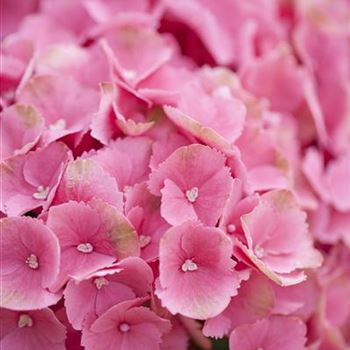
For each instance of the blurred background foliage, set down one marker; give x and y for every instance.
(218, 344)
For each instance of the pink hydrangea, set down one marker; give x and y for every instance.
(277, 240)
(194, 184)
(61, 118)
(215, 102)
(91, 237)
(174, 172)
(191, 256)
(330, 220)
(35, 329)
(247, 307)
(127, 325)
(21, 126)
(30, 270)
(80, 182)
(127, 169)
(29, 181)
(99, 291)
(143, 210)
(277, 332)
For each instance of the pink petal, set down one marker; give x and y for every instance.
(61, 119)
(42, 330)
(207, 251)
(81, 182)
(338, 173)
(30, 181)
(126, 160)
(254, 301)
(91, 237)
(274, 333)
(145, 328)
(101, 290)
(142, 209)
(30, 269)
(22, 127)
(129, 43)
(218, 111)
(175, 207)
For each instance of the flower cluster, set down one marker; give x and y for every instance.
(175, 171)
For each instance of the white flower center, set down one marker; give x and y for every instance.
(223, 92)
(60, 124)
(126, 189)
(259, 252)
(124, 327)
(231, 228)
(192, 194)
(189, 265)
(85, 248)
(129, 74)
(144, 240)
(32, 261)
(100, 282)
(41, 192)
(25, 321)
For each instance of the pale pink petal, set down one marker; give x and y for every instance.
(162, 149)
